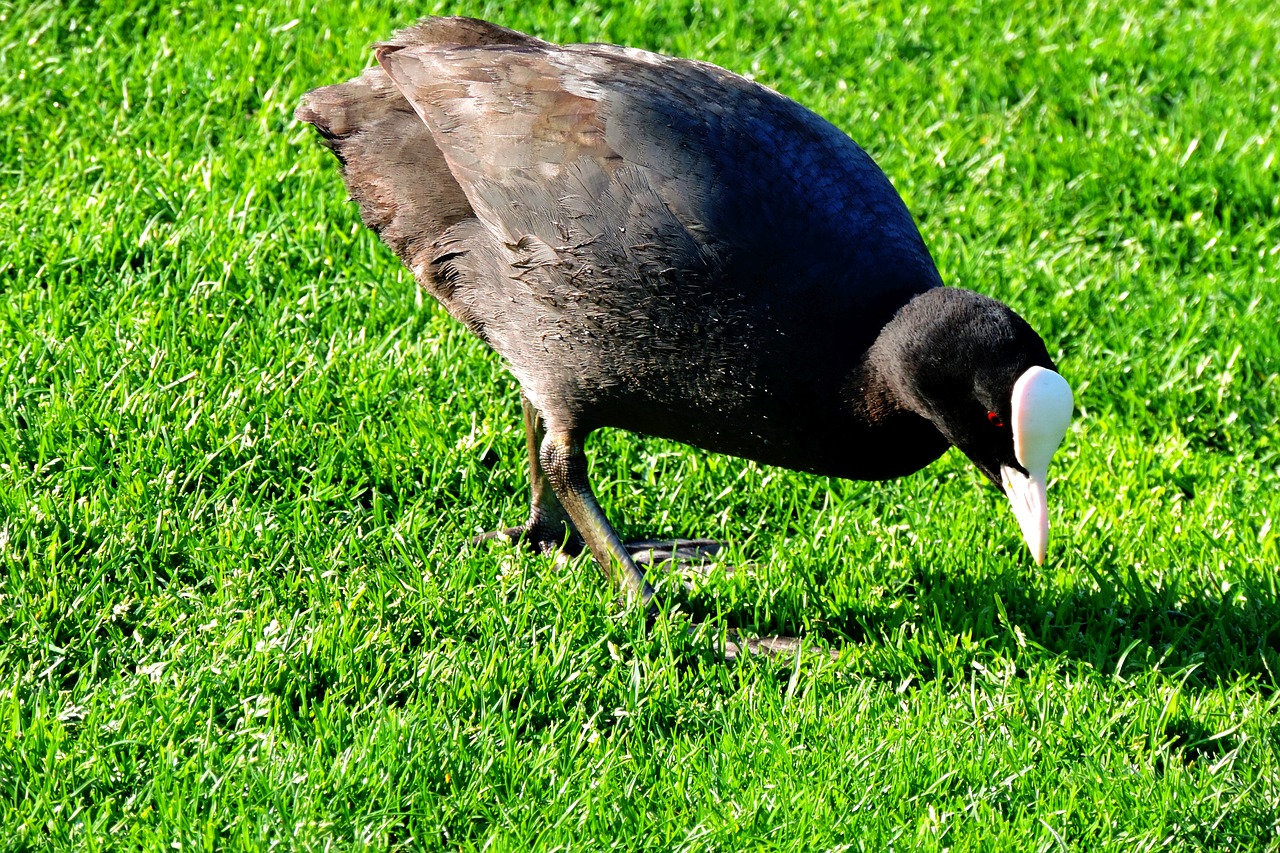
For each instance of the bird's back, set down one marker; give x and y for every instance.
(651, 243)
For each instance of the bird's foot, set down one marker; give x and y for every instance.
(683, 562)
(683, 553)
(688, 559)
(539, 539)
(677, 558)
(775, 646)
(736, 645)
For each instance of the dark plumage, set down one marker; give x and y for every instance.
(662, 246)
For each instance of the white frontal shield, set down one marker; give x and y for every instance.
(1042, 406)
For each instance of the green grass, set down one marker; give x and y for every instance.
(239, 455)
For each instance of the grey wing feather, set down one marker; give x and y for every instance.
(508, 119)
(598, 213)
(596, 256)
(391, 164)
(745, 172)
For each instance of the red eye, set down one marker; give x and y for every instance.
(995, 420)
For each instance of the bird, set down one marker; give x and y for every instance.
(661, 246)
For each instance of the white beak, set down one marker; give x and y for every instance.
(1042, 406)
(1030, 505)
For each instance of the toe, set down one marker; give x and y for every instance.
(682, 552)
(537, 538)
(507, 535)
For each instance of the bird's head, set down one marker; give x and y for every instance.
(982, 376)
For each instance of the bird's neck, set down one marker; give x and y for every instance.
(882, 387)
(872, 396)
(889, 436)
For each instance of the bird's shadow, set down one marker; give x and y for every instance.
(1114, 622)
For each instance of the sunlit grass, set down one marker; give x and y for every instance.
(240, 457)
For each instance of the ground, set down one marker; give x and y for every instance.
(240, 457)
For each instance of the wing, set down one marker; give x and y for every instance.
(634, 192)
(391, 164)
(651, 243)
(754, 179)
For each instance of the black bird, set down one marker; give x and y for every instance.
(662, 246)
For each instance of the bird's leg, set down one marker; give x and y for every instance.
(549, 528)
(565, 465)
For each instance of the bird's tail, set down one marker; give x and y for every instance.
(392, 166)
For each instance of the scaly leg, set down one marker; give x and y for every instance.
(565, 465)
(549, 528)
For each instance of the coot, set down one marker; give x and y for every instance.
(662, 246)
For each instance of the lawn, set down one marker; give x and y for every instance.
(241, 455)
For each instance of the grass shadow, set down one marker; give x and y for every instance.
(1114, 623)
